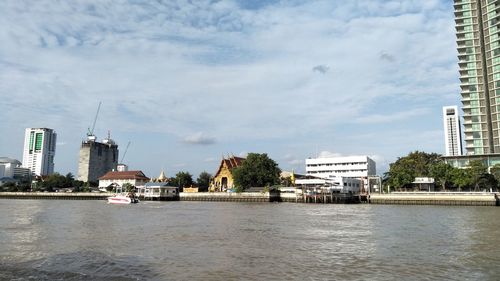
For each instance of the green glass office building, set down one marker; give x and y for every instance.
(39, 150)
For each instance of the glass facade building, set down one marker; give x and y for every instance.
(478, 41)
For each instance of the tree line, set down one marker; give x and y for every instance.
(57, 181)
(474, 177)
(258, 170)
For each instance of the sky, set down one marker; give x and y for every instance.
(188, 82)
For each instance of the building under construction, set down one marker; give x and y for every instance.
(96, 159)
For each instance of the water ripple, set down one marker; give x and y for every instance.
(91, 240)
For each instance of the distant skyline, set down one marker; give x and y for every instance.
(187, 82)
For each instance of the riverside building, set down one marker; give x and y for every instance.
(118, 179)
(96, 158)
(223, 178)
(11, 170)
(452, 132)
(39, 150)
(478, 43)
(358, 167)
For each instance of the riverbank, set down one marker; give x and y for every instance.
(183, 196)
(436, 198)
(56, 195)
(397, 198)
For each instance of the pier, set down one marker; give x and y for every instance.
(332, 198)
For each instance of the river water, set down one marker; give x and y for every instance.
(92, 240)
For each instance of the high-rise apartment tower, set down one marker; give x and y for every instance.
(478, 40)
(452, 131)
(39, 150)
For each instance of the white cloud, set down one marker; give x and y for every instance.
(388, 117)
(328, 154)
(199, 138)
(241, 75)
(210, 159)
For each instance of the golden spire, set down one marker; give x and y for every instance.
(162, 177)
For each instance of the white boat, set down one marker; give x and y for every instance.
(123, 198)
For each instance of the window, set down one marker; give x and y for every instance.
(38, 141)
(32, 139)
(496, 76)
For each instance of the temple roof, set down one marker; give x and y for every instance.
(162, 176)
(231, 163)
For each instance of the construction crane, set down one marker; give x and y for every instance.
(90, 133)
(125, 152)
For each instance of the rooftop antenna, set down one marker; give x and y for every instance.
(90, 133)
(124, 153)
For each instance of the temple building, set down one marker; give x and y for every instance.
(223, 178)
(161, 178)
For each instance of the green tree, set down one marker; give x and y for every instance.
(495, 171)
(257, 170)
(404, 171)
(461, 179)
(182, 179)
(442, 174)
(476, 170)
(69, 180)
(203, 181)
(57, 181)
(488, 182)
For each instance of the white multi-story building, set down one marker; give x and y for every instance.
(452, 131)
(39, 150)
(11, 169)
(359, 167)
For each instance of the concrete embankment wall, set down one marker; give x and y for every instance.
(55, 195)
(229, 197)
(436, 198)
(400, 198)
